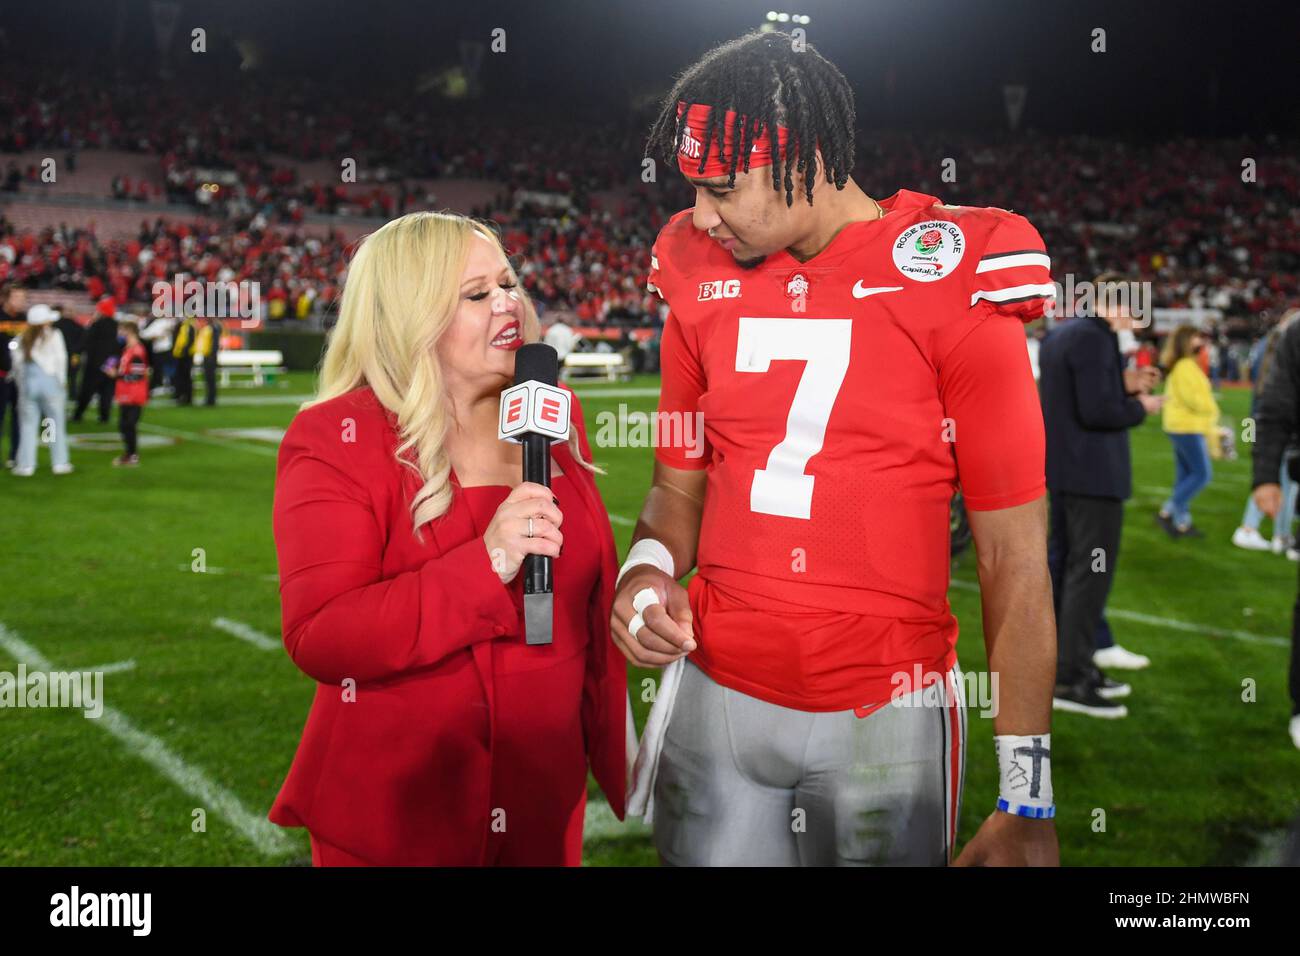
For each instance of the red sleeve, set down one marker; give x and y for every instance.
(987, 389)
(341, 617)
(682, 383)
(1014, 274)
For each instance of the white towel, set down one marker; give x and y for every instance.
(641, 800)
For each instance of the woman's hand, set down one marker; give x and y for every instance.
(506, 538)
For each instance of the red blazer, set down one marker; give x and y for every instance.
(403, 778)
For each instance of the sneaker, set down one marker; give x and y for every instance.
(1120, 659)
(23, 472)
(1167, 523)
(1082, 698)
(1190, 531)
(1295, 731)
(133, 461)
(1251, 540)
(119, 461)
(1112, 689)
(1280, 543)
(1292, 554)
(62, 469)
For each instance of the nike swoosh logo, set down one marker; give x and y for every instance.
(861, 293)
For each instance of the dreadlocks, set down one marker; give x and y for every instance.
(768, 84)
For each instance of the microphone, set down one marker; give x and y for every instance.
(535, 413)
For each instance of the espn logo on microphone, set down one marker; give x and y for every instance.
(531, 407)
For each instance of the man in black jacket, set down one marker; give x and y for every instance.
(1089, 404)
(73, 334)
(99, 345)
(1276, 420)
(13, 308)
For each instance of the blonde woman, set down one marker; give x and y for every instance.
(437, 736)
(1190, 417)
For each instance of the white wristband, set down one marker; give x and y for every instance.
(1025, 769)
(647, 551)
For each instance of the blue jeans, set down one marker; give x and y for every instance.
(41, 397)
(1285, 511)
(1191, 474)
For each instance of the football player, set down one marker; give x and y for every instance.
(854, 361)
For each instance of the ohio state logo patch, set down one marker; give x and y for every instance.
(928, 251)
(797, 285)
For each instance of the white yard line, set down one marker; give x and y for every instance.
(245, 633)
(255, 400)
(1168, 622)
(116, 667)
(210, 569)
(257, 830)
(261, 449)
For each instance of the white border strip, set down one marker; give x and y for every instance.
(1011, 262)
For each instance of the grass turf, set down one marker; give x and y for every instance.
(98, 569)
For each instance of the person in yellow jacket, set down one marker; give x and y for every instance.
(183, 351)
(207, 342)
(1190, 417)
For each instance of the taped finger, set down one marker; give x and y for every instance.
(644, 598)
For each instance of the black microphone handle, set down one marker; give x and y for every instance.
(537, 469)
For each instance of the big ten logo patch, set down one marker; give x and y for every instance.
(721, 289)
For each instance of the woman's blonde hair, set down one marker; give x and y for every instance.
(401, 292)
(30, 336)
(1178, 345)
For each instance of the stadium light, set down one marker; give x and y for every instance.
(771, 15)
(783, 17)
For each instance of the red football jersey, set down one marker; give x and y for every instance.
(132, 385)
(843, 400)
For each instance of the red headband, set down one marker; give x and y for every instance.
(692, 143)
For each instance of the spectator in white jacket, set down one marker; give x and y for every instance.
(158, 338)
(562, 338)
(40, 371)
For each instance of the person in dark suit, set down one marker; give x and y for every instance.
(1089, 404)
(13, 309)
(99, 345)
(73, 334)
(1277, 419)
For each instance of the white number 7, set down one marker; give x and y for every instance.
(782, 488)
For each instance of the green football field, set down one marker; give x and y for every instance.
(204, 709)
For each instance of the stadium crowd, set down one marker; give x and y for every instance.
(1185, 215)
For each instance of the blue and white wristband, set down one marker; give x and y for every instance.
(1020, 810)
(1025, 775)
